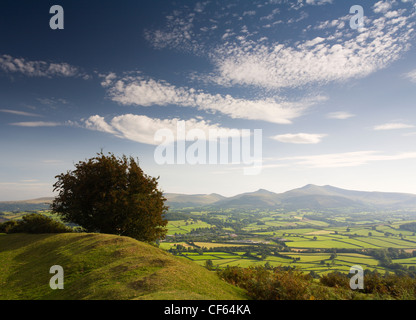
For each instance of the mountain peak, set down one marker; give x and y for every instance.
(263, 191)
(310, 186)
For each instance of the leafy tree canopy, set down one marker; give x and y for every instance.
(112, 195)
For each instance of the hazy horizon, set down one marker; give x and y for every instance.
(230, 195)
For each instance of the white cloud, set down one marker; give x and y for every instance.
(300, 138)
(10, 64)
(313, 42)
(318, 2)
(36, 124)
(249, 13)
(52, 102)
(393, 126)
(98, 123)
(340, 56)
(178, 33)
(136, 90)
(382, 6)
(340, 115)
(347, 159)
(108, 78)
(142, 129)
(411, 75)
(20, 113)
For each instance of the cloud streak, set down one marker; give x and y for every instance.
(340, 115)
(347, 159)
(299, 138)
(20, 113)
(392, 126)
(33, 124)
(139, 91)
(143, 129)
(29, 68)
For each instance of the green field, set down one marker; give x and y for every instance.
(307, 243)
(247, 238)
(182, 226)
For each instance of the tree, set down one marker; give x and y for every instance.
(112, 195)
(209, 265)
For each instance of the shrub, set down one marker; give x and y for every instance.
(335, 279)
(34, 223)
(264, 284)
(7, 226)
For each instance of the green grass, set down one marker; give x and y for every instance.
(100, 267)
(183, 227)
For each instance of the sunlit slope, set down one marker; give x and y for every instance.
(100, 266)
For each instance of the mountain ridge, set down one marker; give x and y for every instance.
(310, 196)
(313, 197)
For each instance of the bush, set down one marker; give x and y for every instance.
(7, 226)
(34, 223)
(335, 279)
(263, 284)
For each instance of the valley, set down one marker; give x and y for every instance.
(314, 229)
(292, 240)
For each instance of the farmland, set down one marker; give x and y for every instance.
(308, 241)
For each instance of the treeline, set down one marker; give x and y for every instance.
(411, 226)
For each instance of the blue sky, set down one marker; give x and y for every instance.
(336, 104)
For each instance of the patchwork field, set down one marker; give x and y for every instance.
(307, 241)
(290, 240)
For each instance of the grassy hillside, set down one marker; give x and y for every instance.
(99, 266)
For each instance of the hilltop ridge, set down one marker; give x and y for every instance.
(102, 266)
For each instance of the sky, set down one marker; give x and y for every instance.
(310, 91)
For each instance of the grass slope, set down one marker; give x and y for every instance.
(101, 266)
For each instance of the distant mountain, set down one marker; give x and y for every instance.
(308, 197)
(26, 205)
(311, 197)
(329, 196)
(178, 200)
(250, 200)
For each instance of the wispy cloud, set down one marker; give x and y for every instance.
(340, 115)
(382, 6)
(20, 113)
(347, 159)
(142, 129)
(300, 138)
(34, 124)
(393, 126)
(411, 75)
(179, 32)
(52, 101)
(338, 57)
(29, 68)
(137, 90)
